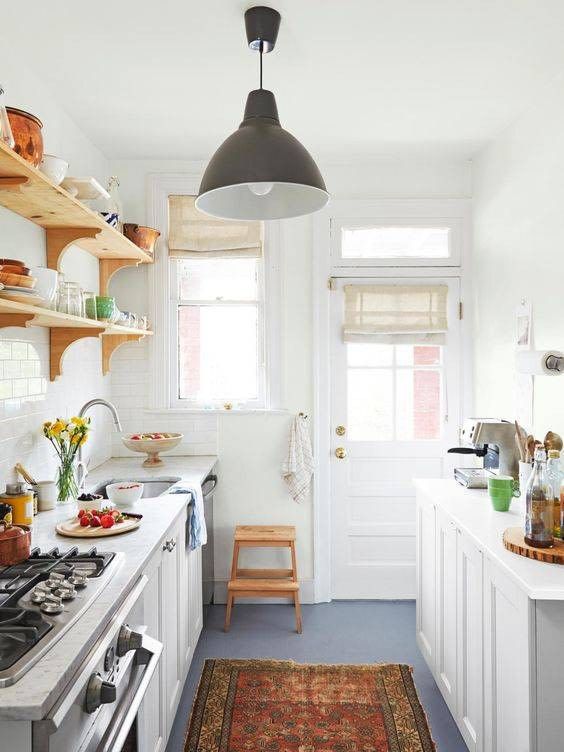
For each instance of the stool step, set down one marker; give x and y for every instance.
(274, 586)
(265, 533)
(264, 574)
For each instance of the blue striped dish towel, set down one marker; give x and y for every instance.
(198, 534)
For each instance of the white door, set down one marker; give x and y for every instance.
(399, 408)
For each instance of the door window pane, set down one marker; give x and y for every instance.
(218, 353)
(370, 406)
(394, 392)
(395, 242)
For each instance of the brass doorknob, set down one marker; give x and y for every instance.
(340, 453)
(340, 430)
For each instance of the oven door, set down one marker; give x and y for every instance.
(97, 712)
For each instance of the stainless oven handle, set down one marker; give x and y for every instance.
(149, 655)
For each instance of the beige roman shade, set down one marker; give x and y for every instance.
(192, 234)
(395, 314)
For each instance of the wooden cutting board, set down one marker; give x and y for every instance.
(514, 541)
(72, 528)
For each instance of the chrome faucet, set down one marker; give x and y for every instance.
(82, 470)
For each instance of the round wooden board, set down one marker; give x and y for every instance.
(514, 541)
(72, 528)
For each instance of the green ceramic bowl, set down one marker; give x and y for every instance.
(105, 308)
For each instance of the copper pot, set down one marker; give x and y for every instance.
(143, 237)
(26, 129)
(15, 544)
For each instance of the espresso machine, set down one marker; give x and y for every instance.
(493, 441)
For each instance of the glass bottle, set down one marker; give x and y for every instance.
(114, 203)
(539, 516)
(6, 134)
(554, 474)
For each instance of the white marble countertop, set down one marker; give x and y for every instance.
(31, 697)
(472, 511)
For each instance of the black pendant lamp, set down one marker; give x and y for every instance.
(261, 171)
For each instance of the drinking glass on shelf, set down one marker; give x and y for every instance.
(69, 299)
(89, 304)
(143, 322)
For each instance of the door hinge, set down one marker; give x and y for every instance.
(460, 310)
(331, 283)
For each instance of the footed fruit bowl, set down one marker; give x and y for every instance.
(152, 444)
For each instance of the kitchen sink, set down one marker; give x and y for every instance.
(151, 486)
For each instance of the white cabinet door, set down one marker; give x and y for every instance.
(425, 578)
(469, 641)
(196, 608)
(152, 727)
(446, 656)
(506, 664)
(173, 559)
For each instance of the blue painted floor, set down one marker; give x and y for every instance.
(338, 632)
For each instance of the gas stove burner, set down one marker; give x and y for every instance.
(20, 629)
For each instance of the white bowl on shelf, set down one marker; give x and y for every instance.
(125, 493)
(54, 168)
(152, 447)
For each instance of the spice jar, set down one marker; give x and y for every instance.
(21, 501)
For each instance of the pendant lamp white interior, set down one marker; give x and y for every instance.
(261, 171)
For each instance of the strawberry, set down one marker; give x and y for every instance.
(107, 520)
(95, 521)
(84, 520)
(120, 518)
(81, 512)
(95, 512)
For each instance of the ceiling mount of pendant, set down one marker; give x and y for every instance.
(262, 24)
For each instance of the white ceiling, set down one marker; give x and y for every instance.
(354, 79)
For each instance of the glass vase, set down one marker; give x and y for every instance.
(67, 486)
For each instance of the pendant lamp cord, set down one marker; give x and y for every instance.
(261, 51)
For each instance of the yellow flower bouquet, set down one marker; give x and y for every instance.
(67, 436)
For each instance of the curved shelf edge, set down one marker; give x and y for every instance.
(60, 238)
(108, 267)
(60, 340)
(111, 342)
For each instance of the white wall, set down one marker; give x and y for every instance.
(27, 398)
(251, 447)
(518, 253)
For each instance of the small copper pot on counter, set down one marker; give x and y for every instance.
(143, 237)
(15, 544)
(26, 129)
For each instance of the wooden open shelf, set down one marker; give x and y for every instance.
(27, 192)
(66, 329)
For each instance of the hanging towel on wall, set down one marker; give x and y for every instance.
(297, 470)
(197, 534)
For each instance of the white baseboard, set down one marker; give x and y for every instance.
(306, 594)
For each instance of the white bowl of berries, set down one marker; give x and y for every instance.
(125, 493)
(152, 444)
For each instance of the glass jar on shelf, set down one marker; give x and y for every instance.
(114, 202)
(554, 473)
(70, 299)
(539, 513)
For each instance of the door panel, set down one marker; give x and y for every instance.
(446, 609)
(426, 616)
(399, 405)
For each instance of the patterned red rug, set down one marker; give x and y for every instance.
(282, 706)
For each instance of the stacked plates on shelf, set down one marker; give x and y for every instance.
(18, 283)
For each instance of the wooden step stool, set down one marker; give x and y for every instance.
(264, 583)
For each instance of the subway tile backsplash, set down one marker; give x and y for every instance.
(130, 378)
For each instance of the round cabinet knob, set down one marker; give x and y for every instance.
(99, 692)
(340, 453)
(128, 640)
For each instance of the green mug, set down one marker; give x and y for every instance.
(502, 489)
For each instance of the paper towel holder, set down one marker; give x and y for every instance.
(540, 362)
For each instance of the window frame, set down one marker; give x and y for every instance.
(159, 187)
(175, 302)
(401, 213)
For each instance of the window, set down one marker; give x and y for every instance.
(219, 319)
(394, 392)
(395, 242)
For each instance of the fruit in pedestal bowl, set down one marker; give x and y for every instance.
(152, 444)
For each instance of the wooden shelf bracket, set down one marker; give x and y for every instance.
(108, 267)
(16, 319)
(61, 338)
(13, 182)
(59, 239)
(111, 342)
